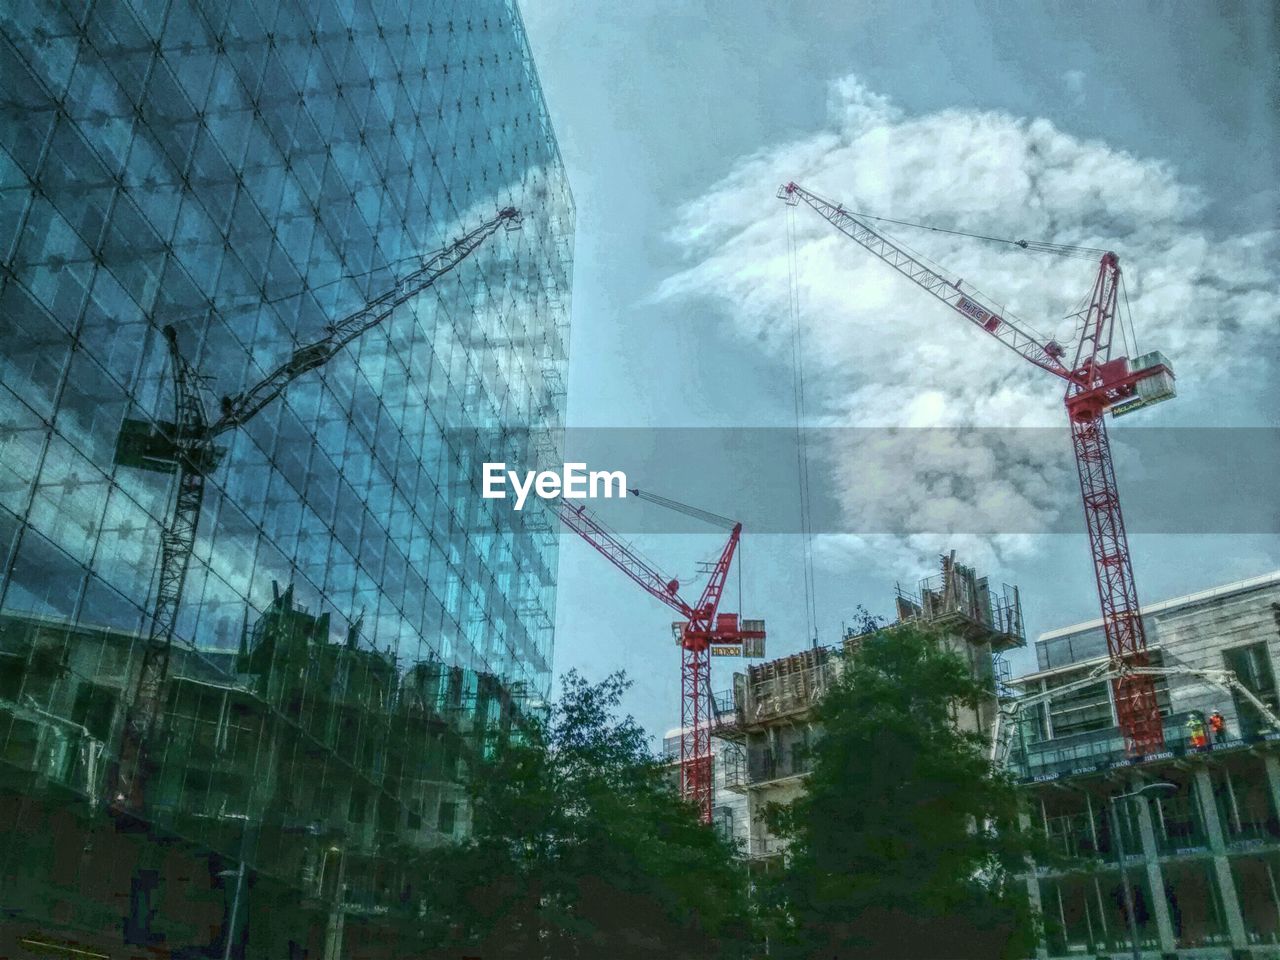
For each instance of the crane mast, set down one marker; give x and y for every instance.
(1095, 385)
(1087, 399)
(186, 447)
(702, 626)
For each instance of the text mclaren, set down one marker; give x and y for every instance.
(574, 482)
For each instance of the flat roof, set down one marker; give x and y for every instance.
(1239, 586)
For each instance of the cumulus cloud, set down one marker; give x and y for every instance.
(881, 352)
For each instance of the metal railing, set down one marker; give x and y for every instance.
(1050, 758)
(52, 747)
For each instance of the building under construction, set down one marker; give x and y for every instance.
(1203, 853)
(767, 721)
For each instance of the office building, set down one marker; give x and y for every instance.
(353, 617)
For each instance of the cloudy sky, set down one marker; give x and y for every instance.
(1124, 127)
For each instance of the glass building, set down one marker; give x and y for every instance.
(353, 618)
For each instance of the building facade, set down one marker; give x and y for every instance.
(729, 809)
(354, 616)
(1202, 854)
(767, 722)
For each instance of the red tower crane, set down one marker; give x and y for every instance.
(701, 628)
(1096, 383)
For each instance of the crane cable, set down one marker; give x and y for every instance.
(1133, 332)
(715, 519)
(802, 449)
(1038, 246)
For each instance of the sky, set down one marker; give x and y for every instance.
(1147, 128)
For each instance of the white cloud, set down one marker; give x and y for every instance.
(881, 352)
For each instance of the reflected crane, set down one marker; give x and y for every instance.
(186, 447)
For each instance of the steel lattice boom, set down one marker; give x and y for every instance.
(242, 407)
(1097, 384)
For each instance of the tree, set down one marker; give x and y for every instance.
(581, 847)
(906, 843)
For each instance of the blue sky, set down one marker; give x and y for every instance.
(1150, 126)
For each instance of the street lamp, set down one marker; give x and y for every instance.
(238, 873)
(1160, 785)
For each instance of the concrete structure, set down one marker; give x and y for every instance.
(1204, 859)
(729, 808)
(765, 737)
(766, 723)
(249, 172)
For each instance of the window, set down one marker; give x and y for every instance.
(94, 709)
(12, 667)
(722, 820)
(356, 809)
(448, 815)
(1081, 711)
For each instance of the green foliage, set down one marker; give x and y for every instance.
(906, 843)
(581, 847)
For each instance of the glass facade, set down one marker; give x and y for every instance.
(247, 172)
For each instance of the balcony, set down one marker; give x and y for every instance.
(733, 760)
(1086, 752)
(765, 768)
(766, 848)
(53, 748)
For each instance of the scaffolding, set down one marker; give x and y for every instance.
(782, 688)
(956, 600)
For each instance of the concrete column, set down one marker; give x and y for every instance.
(1272, 767)
(1155, 876)
(1033, 887)
(337, 916)
(1221, 867)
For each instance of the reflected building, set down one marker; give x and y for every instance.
(355, 620)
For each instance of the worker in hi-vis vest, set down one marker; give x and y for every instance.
(1196, 731)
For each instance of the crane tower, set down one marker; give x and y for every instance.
(701, 629)
(1097, 383)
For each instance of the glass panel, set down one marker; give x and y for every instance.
(230, 168)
